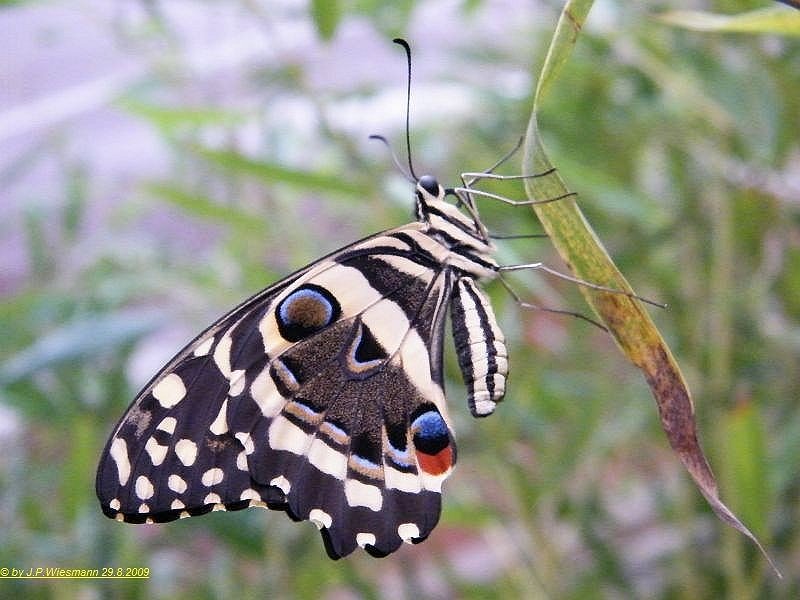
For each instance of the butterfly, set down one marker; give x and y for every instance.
(323, 395)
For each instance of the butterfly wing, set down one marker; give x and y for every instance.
(321, 396)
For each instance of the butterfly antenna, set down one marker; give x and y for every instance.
(395, 160)
(407, 48)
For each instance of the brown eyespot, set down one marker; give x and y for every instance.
(306, 310)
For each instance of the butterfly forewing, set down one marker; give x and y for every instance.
(321, 396)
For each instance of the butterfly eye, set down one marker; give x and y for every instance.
(305, 311)
(430, 185)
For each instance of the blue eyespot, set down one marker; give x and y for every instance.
(305, 311)
(430, 432)
(429, 425)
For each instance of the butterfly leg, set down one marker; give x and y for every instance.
(558, 311)
(477, 176)
(602, 288)
(474, 177)
(484, 194)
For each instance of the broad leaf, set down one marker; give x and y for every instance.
(624, 316)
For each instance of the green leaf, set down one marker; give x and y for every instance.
(766, 20)
(566, 34)
(274, 173)
(623, 315)
(80, 461)
(742, 445)
(182, 117)
(205, 208)
(326, 15)
(82, 338)
(37, 246)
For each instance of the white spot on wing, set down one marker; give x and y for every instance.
(143, 508)
(378, 316)
(212, 498)
(169, 391)
(119, 452)
(285, 435)
(114, 504)
(434, 482)
(405, 482)
(408, 532)
(144, 488)
(365, 539)
(237, 382)
(212, 477)
(406, 265)
(220, 424)
(385, 241)
(281, 483)
(362, 494)
(168, 424)
(186, 451)
(327, 459)
(156, 451)
(176, 484)
(250, 494)
(246, 441)
(434, 247)
(204, 347)
(222, 355)
(320, 518)
(266, 395)
(241, 461)
(416, 361)
(177, 504)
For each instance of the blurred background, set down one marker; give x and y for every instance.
(161, 161)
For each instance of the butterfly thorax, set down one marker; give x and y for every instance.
(463, 236)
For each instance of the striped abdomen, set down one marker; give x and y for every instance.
(480, 346)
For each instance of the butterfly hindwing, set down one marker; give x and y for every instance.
(321, 396)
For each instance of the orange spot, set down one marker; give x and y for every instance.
(436, 464)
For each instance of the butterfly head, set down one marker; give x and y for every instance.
(432, 208)
(429, 191)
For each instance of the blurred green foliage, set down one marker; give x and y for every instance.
(683, 146)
